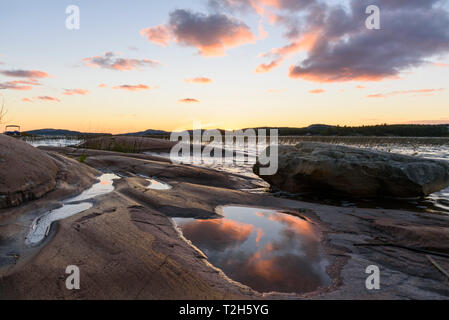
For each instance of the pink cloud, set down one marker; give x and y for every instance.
(102, 85)
(414, 92)
(441, 65)
(47, 98)
(159, 34)
(305, 42)
(22, 85)
(128, 87)
(188, 100)
(71, 92)
(377, 95)
(267, 67)
(110, 61)
(25, 73)
(211, 34)
(201, 80)
(317, 91)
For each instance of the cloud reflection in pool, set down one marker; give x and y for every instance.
(264, 249)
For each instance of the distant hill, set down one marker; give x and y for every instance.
(394, 130)
(61, 132)
(149, 132)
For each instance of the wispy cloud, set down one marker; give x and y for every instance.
(266, 67)
(42, 98)
(137, 87)
(200, 80)
(48, 98)
(441, 65)
(110, 61)
(159, 34)
(414, 92)
(188, 100)
(22, 85)
(71, 92)
(25, 73)
(304, 42)
(317, 91)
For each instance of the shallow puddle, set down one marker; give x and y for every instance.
(40, 227)
(158, 185)
(264, 249)
(155, 184)
(104, 186)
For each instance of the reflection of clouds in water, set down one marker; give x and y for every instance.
(297, 234)
(217, 234)
(267, 271)
(264, 249)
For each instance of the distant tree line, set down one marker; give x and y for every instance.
(399, 130)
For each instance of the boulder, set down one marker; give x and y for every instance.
(319, 168)
(128, 144)
(26, 173)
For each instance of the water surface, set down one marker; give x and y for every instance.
(54, 141)
(40, 226)
(158, 185)
(264, 249)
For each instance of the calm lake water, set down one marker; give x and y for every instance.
(52, 142)
(264, 249)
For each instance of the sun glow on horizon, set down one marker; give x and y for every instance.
(165, 68)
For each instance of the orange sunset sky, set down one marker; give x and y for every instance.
(137, 65)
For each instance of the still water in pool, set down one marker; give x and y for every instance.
(264, 249)
(70, 207)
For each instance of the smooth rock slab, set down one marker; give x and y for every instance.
(319, 167)
(26, 173)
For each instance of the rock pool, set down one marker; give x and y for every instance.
(40, 227)
(264, 249)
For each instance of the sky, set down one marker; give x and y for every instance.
(230, 64)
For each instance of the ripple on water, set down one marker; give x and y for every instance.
(70, 207)
(264, 249)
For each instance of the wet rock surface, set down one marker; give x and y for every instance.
(319, 167)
